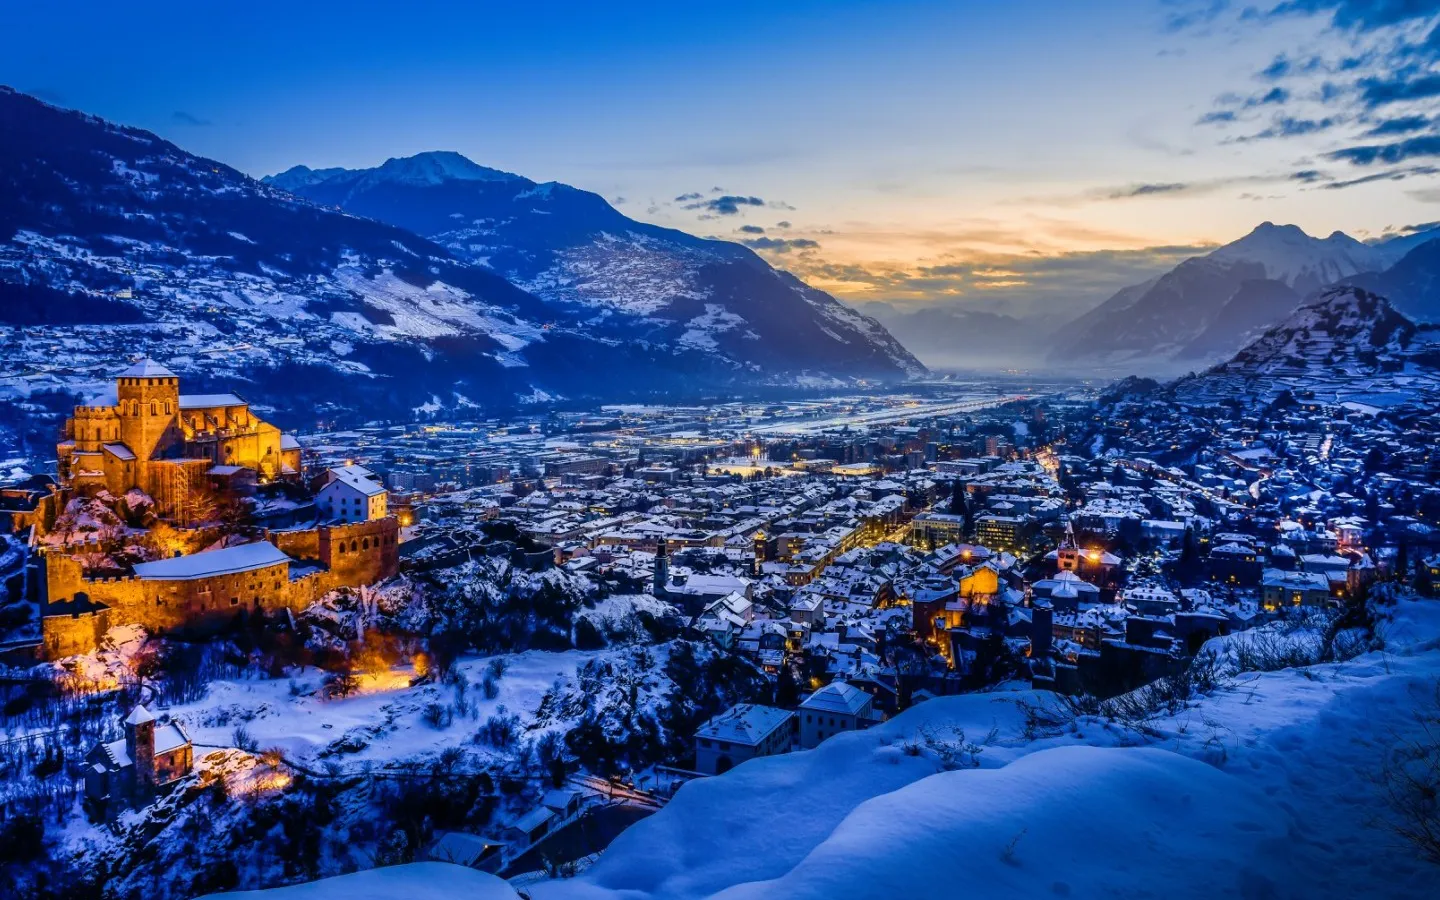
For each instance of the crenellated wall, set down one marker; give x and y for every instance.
(351, 555)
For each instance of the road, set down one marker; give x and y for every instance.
(884, 416)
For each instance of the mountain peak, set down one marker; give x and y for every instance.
(436, 166)
(429, 168)
(1301, 261)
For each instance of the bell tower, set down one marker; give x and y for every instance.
(149, 408)
(662, 568)
(140, 745)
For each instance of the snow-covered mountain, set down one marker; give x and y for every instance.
(1207, 307)
(620, 277)
(1348, 344)
(120, 244)
(1301, 262)
(1413, 282)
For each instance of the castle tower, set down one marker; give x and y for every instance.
(149, 407)
(662, 568)
(140, 745)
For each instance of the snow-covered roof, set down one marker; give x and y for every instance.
(352, 477)
(147, 368)
(169, 737)
(119, 451)
(139, 716)
(744, 723)
(115, 750)
(837, 697)
(228, 561)
(209, 401)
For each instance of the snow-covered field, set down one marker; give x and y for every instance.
(1265, 789)
(384, 721)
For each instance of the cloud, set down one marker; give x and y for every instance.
(686, 198)
(1288, 126)
(1143, 190)
(781, 204)
(1020, 284)
(780, 245)
(1390, 175)
(1197, 16)
(782, 224)
(1358, 15)
(750, 229)
(1218, 117)
(1425, 145)
(1401, 125)
(1402, 86)
(726, 205)
(180, 117)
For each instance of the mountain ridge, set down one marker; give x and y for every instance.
(124, 243)
(571, 247)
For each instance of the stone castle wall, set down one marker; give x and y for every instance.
(351, 555)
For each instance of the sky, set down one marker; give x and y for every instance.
(1026, 157)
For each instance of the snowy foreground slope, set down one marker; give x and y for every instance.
(418, 881)
(1264, 789)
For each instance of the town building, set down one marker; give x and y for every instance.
(834, 708)
(745, 731)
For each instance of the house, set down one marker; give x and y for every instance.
(149, 759)
(461, 849)
(742, 732)
(351, 494)
(531, 827)
(834, 708)
(1281, 589)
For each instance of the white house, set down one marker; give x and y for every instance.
(744, 731)
(351, 494)
(834, 708)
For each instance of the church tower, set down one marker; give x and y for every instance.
(149, 408)
(662, 568)
(1067, 558)
(140, 745)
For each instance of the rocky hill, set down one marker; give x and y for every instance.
(619, 277)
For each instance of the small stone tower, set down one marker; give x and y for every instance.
(149, 407)
(662, 568)
(140, 746)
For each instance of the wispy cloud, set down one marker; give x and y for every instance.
(180, 117)
(724, 205)
(1427, 145)
(780, 245)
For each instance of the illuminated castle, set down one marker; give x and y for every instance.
(147, 435)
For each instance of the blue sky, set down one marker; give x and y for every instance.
(1019, 157)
